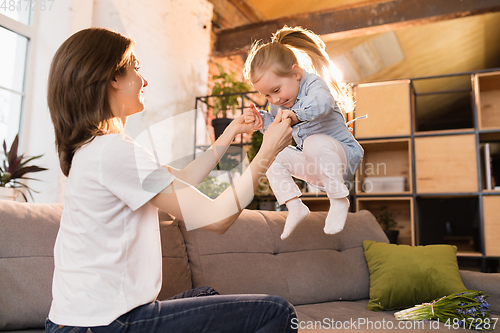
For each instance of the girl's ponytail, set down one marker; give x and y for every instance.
(305, 41)
(308, 42)
(281, 49)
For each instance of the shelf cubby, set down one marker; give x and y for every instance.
(491, 224)
(450, 220)
(487, 90)
(443, 103)
(387, 158)
(402, 212)
(388, 107)
(446, 164)
(490, 166)
(319, 203)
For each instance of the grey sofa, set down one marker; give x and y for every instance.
(324, 276)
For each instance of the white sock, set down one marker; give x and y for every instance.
(297, 212)
(337, 214)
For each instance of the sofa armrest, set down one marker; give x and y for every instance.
(487, 282)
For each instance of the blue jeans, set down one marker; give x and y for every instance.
(190, 313)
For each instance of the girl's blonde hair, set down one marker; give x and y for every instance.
(77, 94)
(279, 56)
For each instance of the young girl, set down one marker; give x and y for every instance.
(326, 154)
(107, 253)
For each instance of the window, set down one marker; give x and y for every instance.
(17, 10)
(15, 38)
(13, 62)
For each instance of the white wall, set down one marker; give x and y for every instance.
(172, 43)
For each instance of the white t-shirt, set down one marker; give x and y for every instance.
(107, 252)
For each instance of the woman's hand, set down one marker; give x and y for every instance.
(239, 126)
(253, 116)
(278, 135)
(248, 122)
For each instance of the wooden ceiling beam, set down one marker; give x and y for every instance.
(249, 10)
(226, 15)
(350, 22)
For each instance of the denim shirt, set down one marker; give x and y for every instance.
(318, 113)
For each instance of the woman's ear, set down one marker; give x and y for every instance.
(114, 83)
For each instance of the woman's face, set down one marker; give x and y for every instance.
(126, 94)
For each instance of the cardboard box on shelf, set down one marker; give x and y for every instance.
(384, 184)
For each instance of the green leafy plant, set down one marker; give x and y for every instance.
(227, 86)
(385, 218)
(257, 138)
(229, 163)
(15, 167)
(211, 188)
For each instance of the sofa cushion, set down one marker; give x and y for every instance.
(487, 282)
(307, 267)
(176, 272)
(27, 236)
(402, 276)
(353, 316)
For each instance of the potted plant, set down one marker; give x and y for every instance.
(386, 221)
(224, 98)
(213, 187)
(15, 167)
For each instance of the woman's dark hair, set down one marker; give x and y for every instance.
(77, 95)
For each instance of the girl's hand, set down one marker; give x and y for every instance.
(278, 135)
(289, 114)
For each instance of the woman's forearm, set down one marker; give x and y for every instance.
(198, 169)
(241, 193)
(199, 211)
(278, 137)
(185, 202)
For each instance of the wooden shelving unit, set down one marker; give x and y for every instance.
(434, 131)
(401, 209)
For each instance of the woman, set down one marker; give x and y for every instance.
(107, 252)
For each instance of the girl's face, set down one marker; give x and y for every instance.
(280, 90)
(126, 93)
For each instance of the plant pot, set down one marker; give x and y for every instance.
(392, 235)
(8, 193)
(219, 125)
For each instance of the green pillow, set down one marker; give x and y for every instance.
(403, 276)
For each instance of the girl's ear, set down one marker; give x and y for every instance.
(297, 72)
